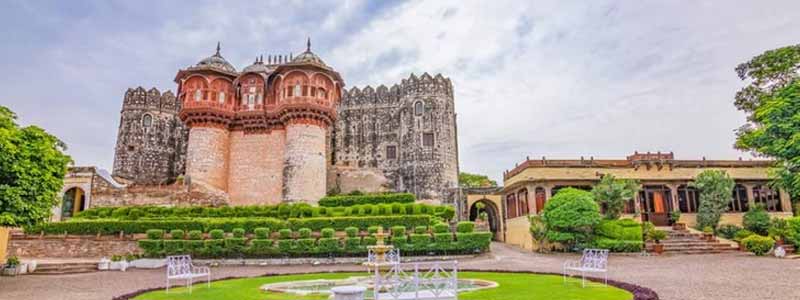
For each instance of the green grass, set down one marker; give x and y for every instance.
(512, 287)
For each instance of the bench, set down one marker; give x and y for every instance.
(181, 268)
(592, 261)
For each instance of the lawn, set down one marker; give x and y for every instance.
(512, 287)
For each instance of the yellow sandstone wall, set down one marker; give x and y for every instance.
(256, 167)
(518, 233)
(4, 236)
(305, 171)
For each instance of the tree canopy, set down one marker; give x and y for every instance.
(612, 193)
(475, 180)
(570, 217)
(771, 101)
(715, 187)
(32, 169)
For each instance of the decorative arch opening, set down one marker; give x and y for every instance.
(72, 202)
(485, 211)
(419, 108)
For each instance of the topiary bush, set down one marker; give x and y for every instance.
(216, 234)
(372, 229)
(327, 233)
(350, 200)
(570, 217)
(155, 234)
(195, 235)
(728, 231)
(261, 233)
(238, 232)
(758, 245)
(176, 234)
(351, 231)
(304, 233)
(285, 234)
(398, 231)
(465, 227)
(742, 234)
(440, 228)
(421, 229)
(757, 220)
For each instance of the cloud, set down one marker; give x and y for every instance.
(544, 78)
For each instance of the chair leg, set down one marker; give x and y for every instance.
(583, 279)
(208, 280)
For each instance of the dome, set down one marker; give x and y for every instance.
(216, 61)
(258, 67)
(308, 57)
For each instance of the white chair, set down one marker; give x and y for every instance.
(592, 261)
(181, 267)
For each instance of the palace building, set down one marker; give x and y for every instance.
(665, 187)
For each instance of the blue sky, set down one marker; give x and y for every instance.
(561, 79)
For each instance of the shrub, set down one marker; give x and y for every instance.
(304, 246)
(757, 220)
(150, 248)
(304, 233)
(473, 241)
(238, 232)
(715, 188)
(372, 229)
(350, 200)
(728, 231)
(622, 229)
(351, 231)
(340, 223)
(352, 245)
(793, 226)
(329, 245)
(440, 228)
(614, 245)
(758, 245)
(261, 233)
(173, 247)
(155, 234)
(657, 235)
(216, 234)
(285, 234)
(195, 235)
(612, 193)
(465, 227)
(177, 234)
(398, 231)
(235, 246)
(369, 241)
(779, 229)
(742, 234)
(445, 212)
(570, 217)
(421, 229)
(262, 247)
(327, 232)
(420, 242)
(214, 247)
(286, 246)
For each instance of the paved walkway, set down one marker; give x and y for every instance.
(735, 276)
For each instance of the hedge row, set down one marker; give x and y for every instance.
(282, 211)
(112, 226)
(623, 235)
(350, 200)
(233, 247)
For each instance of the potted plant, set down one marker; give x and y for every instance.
(12, 266)
(675, 217)
(118, 263)
(657, 236)
(778, 230)
(708, 233)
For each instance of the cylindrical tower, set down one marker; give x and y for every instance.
(308, 92)
(207, 96)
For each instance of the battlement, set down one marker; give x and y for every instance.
(386, 95)
(153, 99)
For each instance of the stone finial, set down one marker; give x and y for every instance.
(308, 45)
(218, 48)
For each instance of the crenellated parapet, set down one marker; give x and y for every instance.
(413, 85)
(153, 99)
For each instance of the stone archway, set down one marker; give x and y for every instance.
(72, 202)
(492, 214)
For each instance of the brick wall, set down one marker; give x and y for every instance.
(305, 170)
(207, 157)
(33, 246)
(256, 167)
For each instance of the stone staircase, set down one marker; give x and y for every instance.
(686, 242)
(59, 268)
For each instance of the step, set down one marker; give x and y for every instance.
(65, 268)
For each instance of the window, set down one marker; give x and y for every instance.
(738, 199)
(419, 108)
(771, 199)
(197, 95)
(322, 93)
(511, 206)
(259, 99)
(147, 120)
(522, 198)
(297, 91)
(221, 97)
(688, 200)
(540, 199)
(391, 152)
(427, 139)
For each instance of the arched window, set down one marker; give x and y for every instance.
(419, 108)
(540, 199)
(771, 199)
(147, 120)
(259, 99)
(511, 206)
(738, 199)
(221, 97)
(688, 200)
(198, 95)
(522, 198)
(298, 91)
(322, 94)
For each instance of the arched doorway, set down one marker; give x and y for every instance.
(488, 207)
(72, 202)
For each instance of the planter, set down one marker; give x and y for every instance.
(10, 271)
(658, 248)
(31, 265)
(104, 264)
(741, 247)
(708, 237)
(119, 265)
(679, 226)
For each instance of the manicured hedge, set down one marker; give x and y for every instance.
(623, 235)
(614, 245)
(230, 247)
(350, 200)
(106, 227)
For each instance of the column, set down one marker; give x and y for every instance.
(673, 191)
(751, 200)
(786, 202)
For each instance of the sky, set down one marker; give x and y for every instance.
(560, 79)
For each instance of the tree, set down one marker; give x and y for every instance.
(715, 188)
(32, 169)
(772, 103)
(538, 231)
(475, 180)
(570, 217)
(612, 193)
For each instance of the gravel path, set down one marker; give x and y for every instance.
(734, 276)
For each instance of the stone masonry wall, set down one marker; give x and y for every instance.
(151, 139)
(376, 123)
(207, 157)
(256, 167)
(305, 170)
(33, 246)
